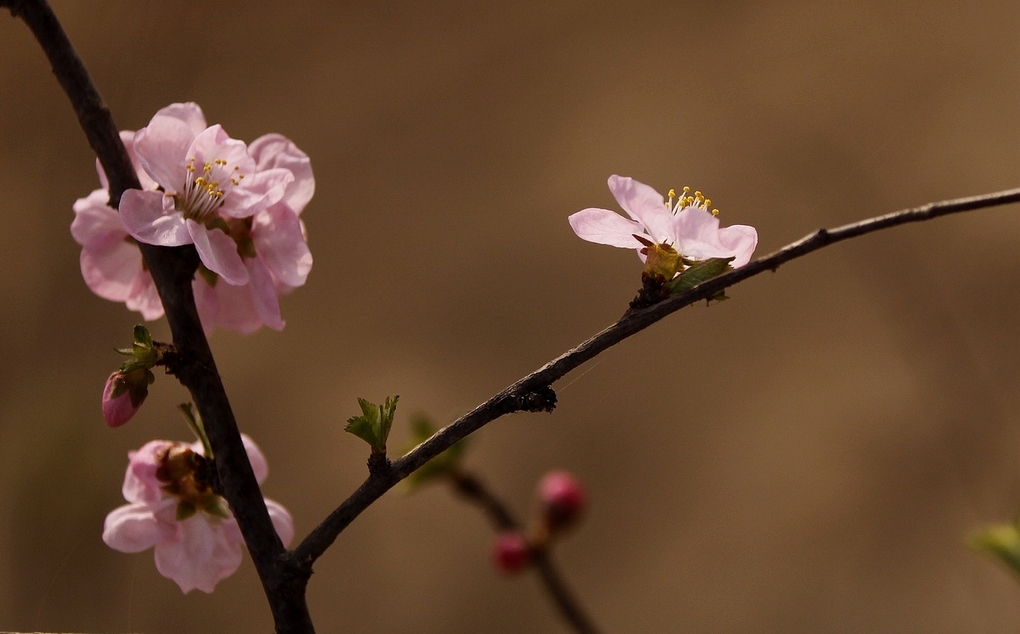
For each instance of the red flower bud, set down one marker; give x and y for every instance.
(511, 552)
(563, 500)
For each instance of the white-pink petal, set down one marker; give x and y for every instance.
(200, 555)
(280, 243)
(162, 148)
(282, 521)
(134, 527)
(218, 252)
(276, 150)
(606, 227)
(189, 113)
(151, 218)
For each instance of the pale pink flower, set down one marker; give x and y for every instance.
(685, 225)
(195, 537)
(208, 180)
(273, 247)
(110, 260)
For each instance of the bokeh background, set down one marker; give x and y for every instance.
(806, 457)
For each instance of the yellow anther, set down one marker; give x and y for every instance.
(715, 212)
(672, 193)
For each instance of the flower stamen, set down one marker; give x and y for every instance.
(203, 194)
(688, 200)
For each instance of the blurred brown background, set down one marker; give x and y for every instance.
(806, 457)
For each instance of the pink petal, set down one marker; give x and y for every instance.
(200, 556)
(263, 294)
(605, 227)
(218, 252)
(282, 521)
(225, 306)
(257, 459)
(144, 298)
(133, 528)
(740, 241)
(150, 218)
(140, 481)
(163, 150)
(641, 202)
(95, 222)
(189, 113)
(280, 243)
(701, 238)
(276, 150)
(257, 191)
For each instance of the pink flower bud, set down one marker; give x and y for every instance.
(562, 498)
(511, 552)
(123, 395)
(117, 406)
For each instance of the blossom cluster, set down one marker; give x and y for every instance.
(173, 510)
(239, 205)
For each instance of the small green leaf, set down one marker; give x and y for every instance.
(1001, 542)
(194, 420)
(442, 465)
(699, 272)
(374, 425)
(142, 336)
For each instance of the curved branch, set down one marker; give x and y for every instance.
(172, 270)
(539, 381)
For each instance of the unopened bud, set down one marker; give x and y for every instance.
(123, 395)
(562, 498)
(511, 552)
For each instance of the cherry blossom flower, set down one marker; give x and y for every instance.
(208, 180)
(684, 225)
(257, 243)
(172, 509)
(272, 244)
(110, 260)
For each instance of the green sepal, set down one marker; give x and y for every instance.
(373, 426)
(699, 272)
(194, 420)
(185, 510)
(143, 352)
(1000, 542)
(215, 505)
(442, 465)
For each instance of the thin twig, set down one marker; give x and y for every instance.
(172, 270)
(474, 490)
(509, 400)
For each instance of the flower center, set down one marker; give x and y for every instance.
(688, 200)
(205, 190)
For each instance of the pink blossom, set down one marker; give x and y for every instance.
(207, 178)
(194, 535)
(686, 225)
(273, 247)
(110, 260)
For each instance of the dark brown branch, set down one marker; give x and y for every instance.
(172, 270)
(472, 489)
(633, 322)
